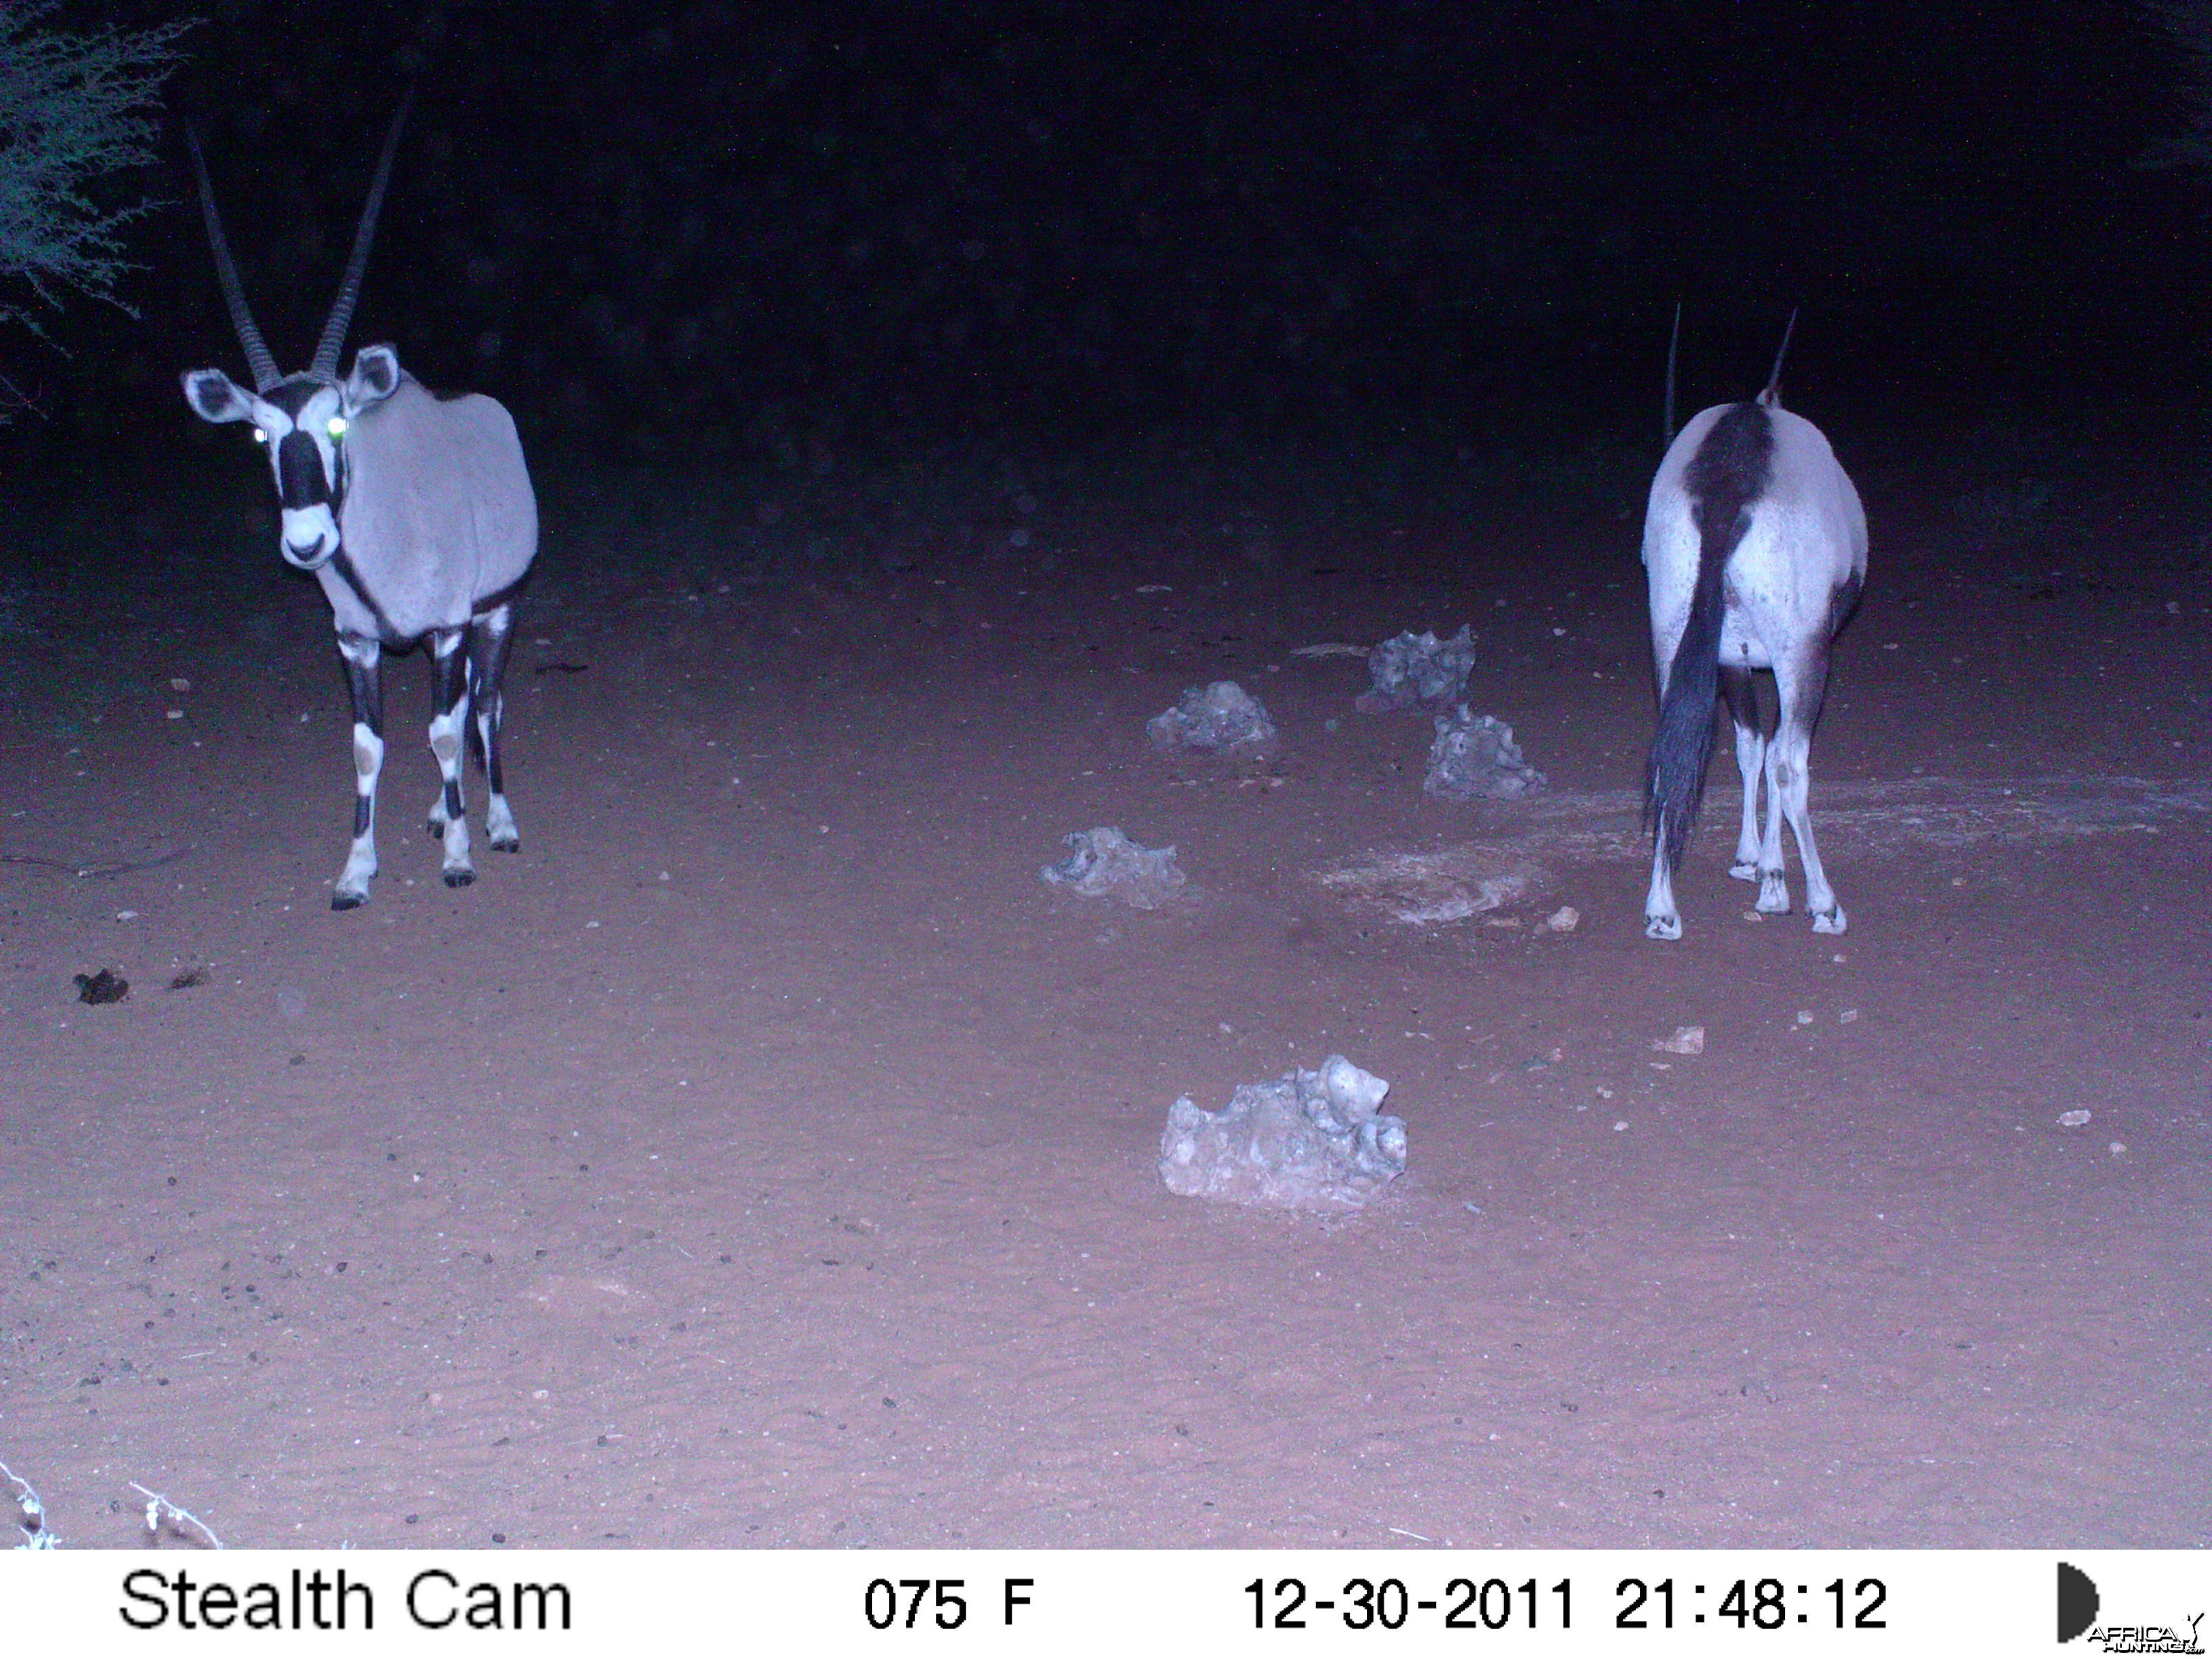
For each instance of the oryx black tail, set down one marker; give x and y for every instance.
(1723, 481)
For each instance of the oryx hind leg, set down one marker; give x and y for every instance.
(1741, 692)
(363, 659)
(489, 639)
(1661, 918)
(449, 721)
(1803, 682)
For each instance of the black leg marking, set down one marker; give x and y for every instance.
(489, 641)
(449, 685)
(1741, 689)
(1812, 689)
(361, 657)
(364, 679)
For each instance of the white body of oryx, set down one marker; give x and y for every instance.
(1786, 546)
(440, 514)
(1808, 536)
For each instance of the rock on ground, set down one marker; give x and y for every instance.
(1103, 862)
(1411, 669)
(1222, 715)
(1475, 758)
(1309, 1140)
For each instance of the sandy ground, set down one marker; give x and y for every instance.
(765, 1156)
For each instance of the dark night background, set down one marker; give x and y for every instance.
(750, 235)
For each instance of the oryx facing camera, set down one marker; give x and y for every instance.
(414, 510)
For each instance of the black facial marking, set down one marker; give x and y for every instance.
(291, 396)
(300, 480)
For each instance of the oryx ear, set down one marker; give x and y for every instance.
(376, 377)
(214, 396)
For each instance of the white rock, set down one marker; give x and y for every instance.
(1103, 862)
(1222, 715)
(1309, 1140)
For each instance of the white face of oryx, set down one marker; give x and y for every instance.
(304, 423)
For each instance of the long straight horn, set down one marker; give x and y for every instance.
(258, 356)
(1774, 381)
(1667, 420)
(334, 332)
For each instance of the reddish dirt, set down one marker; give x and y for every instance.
(764, 1156)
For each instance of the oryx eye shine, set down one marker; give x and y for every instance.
(259, 437)
(338, 426)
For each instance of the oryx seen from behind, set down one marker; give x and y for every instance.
(415, 514)
(1755, 548)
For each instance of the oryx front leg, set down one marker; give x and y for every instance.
(362, 659)
(449, 722)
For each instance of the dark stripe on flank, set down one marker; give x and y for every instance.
(1815, 696)
(342, 562)
(1844, 603)
(499, 595)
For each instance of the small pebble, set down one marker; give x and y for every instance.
(1804, 1016)
(2075, 1119)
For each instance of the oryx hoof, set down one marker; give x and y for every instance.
(1745, 869)
(345, 899)
(1663, 928)
(460, 878)
(1773, 895)
(509, 842)
(1830, 921)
